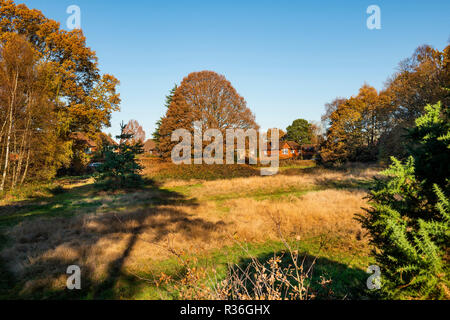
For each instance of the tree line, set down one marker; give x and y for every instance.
(209, 98)
(369, 126)
(50, 87)
(372, 125)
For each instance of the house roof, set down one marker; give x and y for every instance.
(149, 145)
(293, 144)
(106, 139)
(81, 136)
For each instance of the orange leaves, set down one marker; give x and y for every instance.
(209, 98)
(57, 86)
(356, 125)
(75, 78)
(215, 102)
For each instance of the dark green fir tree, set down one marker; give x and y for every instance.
(121, 168)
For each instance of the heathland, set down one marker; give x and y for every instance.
(147, 243)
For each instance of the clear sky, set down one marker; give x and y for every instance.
(286, 58)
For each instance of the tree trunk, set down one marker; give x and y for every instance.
(3, 128)
(8, 138)
(23, 145)
(26, 168)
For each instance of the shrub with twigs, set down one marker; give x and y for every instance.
(256, 280)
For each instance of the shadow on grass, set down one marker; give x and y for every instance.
(346, 282)
(143, 208)
(345, 184)
(48, 206)
(7, 281)
(82, 199)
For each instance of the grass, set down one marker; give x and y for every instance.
(61, 205)
(122, 240)
(346, 270)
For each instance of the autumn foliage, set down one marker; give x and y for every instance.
(206, 97)
(355, 126)
(372, 125)
(50, 87)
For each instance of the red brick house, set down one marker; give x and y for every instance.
(292, 150)
(286, 150)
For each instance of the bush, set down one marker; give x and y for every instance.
(410, 214)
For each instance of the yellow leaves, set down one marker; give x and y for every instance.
(70, 68)
(355, 123)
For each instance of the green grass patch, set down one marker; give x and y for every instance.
(80, 199)
(345, 268)
(85, 199)
(276, 195)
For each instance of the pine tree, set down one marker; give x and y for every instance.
(121, 168)
(409, 218)
(156, 135)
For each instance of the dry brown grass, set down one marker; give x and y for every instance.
(313, 214)
(129, 236)
(43, 249)
(315, 178)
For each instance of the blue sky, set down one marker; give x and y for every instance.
(286, 58)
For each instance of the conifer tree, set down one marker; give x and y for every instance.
(121, 168)
(429, 145)
(178, 116)
(156, 135)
